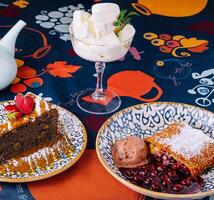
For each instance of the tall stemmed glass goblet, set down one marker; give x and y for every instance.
(99, 100)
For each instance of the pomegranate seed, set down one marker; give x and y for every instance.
(165, 179)
(177, 187)
(173, 165)
(150, 180)
(142, 173)
(184, 169)
(153, 173)
(139, 178)
(147, 181)
(171, 158)
(174, 175)
(155, 187)
(152, 167)
(160, 167)
(144, 167)
(159, 174)
(127, 174)
(193, 179)
(165, 184)
(133, 171)
(200, 181)
(164, 157)
(186, 182)
(166, 162)
(158, 157)
(136, 179)
(170, 173)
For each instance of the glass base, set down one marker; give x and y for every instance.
(108, 104)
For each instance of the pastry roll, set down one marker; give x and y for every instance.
(191, 147)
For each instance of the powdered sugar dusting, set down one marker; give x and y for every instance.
(38, 106)
(46, 106)
(9, 125)
(189, 141)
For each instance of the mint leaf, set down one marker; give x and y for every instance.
(122, 15)
(116, 23)
(123, 19)
(132, 13)
(120, 19)
(127, 21)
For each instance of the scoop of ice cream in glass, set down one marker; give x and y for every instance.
(101, 37)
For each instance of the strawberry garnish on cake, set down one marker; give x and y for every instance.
(23, 105)
(13, 112)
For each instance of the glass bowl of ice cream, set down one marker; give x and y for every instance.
(107, 48)
(102, 36)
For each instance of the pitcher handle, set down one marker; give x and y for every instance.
(159, 94)
(141, 8)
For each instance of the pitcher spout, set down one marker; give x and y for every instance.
(9, 40)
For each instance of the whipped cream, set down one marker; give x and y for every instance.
(93, 36)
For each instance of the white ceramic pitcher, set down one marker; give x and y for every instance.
(8, 66)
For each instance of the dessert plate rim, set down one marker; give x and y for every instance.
(162, 195)
(57, 171)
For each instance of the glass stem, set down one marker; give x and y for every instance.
(98, 93)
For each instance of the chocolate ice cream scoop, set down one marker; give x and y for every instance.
(130, 152)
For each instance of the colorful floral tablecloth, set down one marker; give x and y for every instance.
(170, 59)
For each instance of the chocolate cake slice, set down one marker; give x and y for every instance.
(21, 132)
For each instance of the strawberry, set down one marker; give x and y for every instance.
(25, 104)
(11, 108)
(14, 115)
(18, 114)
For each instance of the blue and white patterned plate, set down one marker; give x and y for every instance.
(76, 139)
(144, 120)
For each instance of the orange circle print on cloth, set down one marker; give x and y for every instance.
(170, 8)
(178, 45)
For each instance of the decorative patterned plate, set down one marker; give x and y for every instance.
(144, 120)
(47, 161)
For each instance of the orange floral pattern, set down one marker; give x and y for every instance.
(27, 77)
(61, 69)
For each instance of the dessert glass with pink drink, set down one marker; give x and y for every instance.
(94, 39)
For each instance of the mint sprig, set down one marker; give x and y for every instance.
(123, 19)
